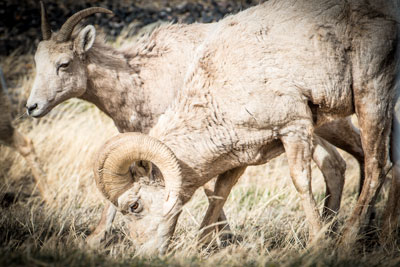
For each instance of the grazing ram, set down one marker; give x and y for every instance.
(11, 137)
(263, 78)
(122, 84)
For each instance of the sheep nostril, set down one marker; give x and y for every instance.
(31, 108)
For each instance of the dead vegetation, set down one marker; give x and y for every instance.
(263, 209)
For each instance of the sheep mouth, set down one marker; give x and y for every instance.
(36, 116)
(40, 112)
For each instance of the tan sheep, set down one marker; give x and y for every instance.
(135, 85)
(265, 77)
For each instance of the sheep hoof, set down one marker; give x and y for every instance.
(94, 240)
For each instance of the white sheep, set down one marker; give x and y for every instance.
(265, 77)
(135, 85)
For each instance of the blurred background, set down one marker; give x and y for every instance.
(20, 19)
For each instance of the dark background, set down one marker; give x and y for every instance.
(20, 19)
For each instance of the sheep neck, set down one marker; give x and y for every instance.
(116, 88)
(134, 85)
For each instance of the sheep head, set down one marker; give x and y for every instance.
(59, 59)
(153, 209)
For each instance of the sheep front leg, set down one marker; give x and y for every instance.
(298, 146)
(342, 134)
(332, 167)
(217, 198)
(104, 226)
(209, 189)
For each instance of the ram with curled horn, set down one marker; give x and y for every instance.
(114, 180)
(75, 62)
(246, 95)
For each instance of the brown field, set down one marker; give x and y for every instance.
(263, 208)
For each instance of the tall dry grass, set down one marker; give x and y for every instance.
(263, 209)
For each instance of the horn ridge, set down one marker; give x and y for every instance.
(46, 30)
(113, 160)
(67, 28)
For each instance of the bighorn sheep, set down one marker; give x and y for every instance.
(11, 137)
(122, 83)
(294, 66)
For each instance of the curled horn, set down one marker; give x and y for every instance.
(46, 31)
(111, 169)
(67, 28)
(113, 179)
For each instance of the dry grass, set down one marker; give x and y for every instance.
(263, 208)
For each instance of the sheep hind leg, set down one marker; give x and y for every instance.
(332, 167)
(25, 147)
(217, 198)
(375, 129)
(297, 143)
(344, 135)
(392, 208)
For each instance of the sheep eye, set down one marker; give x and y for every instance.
(63, 66)
(135, 207)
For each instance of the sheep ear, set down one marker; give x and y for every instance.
(143, 169)
(147, 168)
(85, 40)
